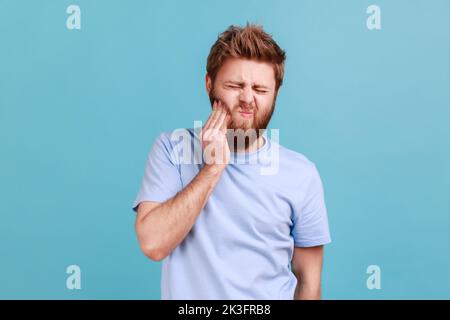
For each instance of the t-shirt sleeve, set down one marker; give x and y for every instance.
(310, 227)
(161, 180)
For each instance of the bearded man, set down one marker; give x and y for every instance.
(223, 228)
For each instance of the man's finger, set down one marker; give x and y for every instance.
(215, 115)
(218, 112)
(211, 116)
(225, 123)
(218, 123)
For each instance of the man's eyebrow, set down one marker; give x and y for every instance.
(240, 83)
(261, 86)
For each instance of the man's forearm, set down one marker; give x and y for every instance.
(164, 228)
(304, 291)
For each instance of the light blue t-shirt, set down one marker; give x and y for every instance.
(242, 242)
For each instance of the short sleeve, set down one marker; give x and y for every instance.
(310, 227)
(161, 180)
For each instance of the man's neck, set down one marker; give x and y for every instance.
(252, 147)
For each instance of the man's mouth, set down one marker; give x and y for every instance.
(246, 114)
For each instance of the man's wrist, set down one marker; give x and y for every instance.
(213, 170)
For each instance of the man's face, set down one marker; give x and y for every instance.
(247, 88)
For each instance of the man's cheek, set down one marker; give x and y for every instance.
(230, 105)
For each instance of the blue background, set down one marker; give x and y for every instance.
(79, 110)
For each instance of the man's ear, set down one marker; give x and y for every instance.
(208, 83)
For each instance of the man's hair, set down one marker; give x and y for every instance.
(249, 42)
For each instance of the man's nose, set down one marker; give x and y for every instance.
(246, 96)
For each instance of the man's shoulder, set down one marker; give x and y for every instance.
(295, 158)
(175, 136)
(180, 145)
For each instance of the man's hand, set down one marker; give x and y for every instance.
(216, 152)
